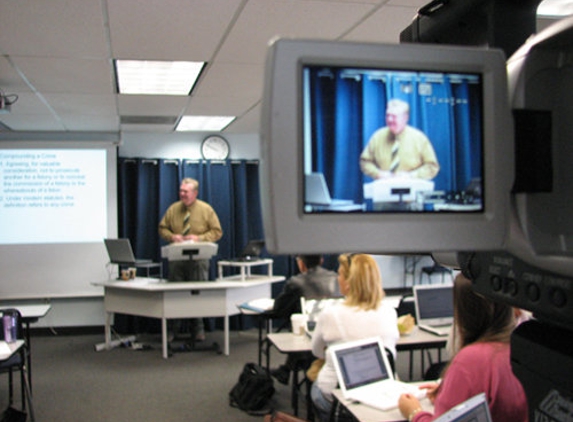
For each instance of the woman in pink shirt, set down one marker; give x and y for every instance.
(481, 365)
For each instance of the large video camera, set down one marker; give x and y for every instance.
(498, 208)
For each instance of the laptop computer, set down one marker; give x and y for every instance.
(311, 307)
(317, 194)
(434, 308)
(120, 252)
(252, 251)
(474, 409)
(365, 375)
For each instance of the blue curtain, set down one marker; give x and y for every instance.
(346, 111)
(146, 188)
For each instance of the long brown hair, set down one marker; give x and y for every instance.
(364, 280)
(479, 318)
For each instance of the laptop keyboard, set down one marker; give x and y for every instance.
(387, 398)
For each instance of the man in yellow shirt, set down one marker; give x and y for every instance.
(190, 219)
(399, 150)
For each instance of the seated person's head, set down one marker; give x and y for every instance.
(478, 317)
(360, 280)
(309, 261)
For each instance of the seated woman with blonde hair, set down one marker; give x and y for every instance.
(481, 365)
(362, 314)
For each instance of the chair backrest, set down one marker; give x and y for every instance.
(407, 306)
(11, 324)
(390, 357)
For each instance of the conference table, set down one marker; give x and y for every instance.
(164, 300)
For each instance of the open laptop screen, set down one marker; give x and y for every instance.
(434, 303)
(362, 365)
(474, 409)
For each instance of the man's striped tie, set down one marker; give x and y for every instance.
(186, 225)
(395, 159)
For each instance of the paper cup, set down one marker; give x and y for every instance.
(298, 324)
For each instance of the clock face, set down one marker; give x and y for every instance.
(215, 147)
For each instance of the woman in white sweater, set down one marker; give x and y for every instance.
(362, 314)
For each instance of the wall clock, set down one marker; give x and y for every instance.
(215, 147)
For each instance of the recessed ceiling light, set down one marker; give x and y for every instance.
(149, 77)
(555, 8)
(204, 123)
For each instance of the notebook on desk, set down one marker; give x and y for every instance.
(365, 375)
(434, 308)
(120, 252)
(474, 409)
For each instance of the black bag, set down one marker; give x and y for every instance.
(254, 389)
(13, 415)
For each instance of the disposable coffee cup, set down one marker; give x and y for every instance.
(125, 275)
(298, 323)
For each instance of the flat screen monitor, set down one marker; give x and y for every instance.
(411, 141)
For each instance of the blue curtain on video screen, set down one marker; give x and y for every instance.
(146, 188)
(347, 107)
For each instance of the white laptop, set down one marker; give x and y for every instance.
(474, 409)
(434, 307)
(365, 375)
(318, 194)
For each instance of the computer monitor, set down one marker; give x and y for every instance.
(322, 102)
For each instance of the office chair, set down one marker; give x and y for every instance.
(17, 362)
(435, 269)
(406, 306)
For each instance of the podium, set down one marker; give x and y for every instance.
(185, 251)
(396, 193)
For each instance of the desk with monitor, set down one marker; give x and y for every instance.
(176, 300)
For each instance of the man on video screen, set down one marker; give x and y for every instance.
(399, 150)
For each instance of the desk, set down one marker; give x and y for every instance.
(30, 313)
(176, 300)
(19, 346)
(287, 343)
(417, 340)
(363, 413)
(245, 268)
(11, 349)
(420, 340)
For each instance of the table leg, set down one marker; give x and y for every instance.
(108, 318)
(29, 354)
(226, 326)
(294, 391)
(164, 338)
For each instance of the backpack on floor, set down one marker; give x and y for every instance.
(254, 389)
(13, 415)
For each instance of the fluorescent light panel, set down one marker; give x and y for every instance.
(203, 123)
(149, 77)
(555, 8)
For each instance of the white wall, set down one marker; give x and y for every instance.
(184, 145)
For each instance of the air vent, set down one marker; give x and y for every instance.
(148, 120)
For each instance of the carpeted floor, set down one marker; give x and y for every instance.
(72, 382)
